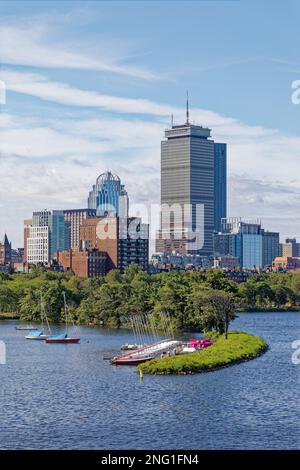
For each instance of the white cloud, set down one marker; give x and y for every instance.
(30, 45)
(54, 163)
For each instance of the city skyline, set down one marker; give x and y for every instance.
(80, 103)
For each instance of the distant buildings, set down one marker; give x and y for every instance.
(286, 263)
(75, 217)
(254, 247)
(290, 248)
(108, 196)
(193, 178)
(220, 195)
(44, 235)
(5, 251)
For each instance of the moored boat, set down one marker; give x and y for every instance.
(25, 328)
(37, 335)
(64, 338)
(147, 353)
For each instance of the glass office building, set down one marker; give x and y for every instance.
(108, 196)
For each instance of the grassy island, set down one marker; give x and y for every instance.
(238, 347)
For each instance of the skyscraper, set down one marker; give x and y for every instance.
(220, 185)
(188, 182)
(108, 196)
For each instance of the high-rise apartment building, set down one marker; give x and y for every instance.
(108, 196)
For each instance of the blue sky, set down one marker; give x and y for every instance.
(91, 85)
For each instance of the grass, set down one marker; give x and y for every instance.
(237, 348)
(8, 316)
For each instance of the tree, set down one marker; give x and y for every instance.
(218, 311)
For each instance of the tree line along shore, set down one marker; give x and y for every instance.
(199, 301)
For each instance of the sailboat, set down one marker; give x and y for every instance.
(39, 334)
(63, 338)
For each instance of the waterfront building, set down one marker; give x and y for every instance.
(220, 197)
(108, 196)
(47, 234)
(75, 218)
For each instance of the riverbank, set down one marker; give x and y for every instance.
(239, 347)
(8, 316)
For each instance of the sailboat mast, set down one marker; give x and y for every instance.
(65, 307)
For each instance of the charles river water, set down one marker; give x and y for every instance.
(68, 397)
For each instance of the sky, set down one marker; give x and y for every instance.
(91, 86)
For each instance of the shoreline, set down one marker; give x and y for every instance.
(238, 348)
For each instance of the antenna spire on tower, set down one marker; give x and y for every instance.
(187, 108)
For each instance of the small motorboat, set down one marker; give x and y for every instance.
(64, 339)
(37, 335)
(25, 328)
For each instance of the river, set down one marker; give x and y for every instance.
(68, 397)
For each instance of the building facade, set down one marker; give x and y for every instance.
(187, 191)
(124, 240)
(246, 240)
(75, 218)
(108, 196)
(84, 263)
(47, 234)
(220, 199)
(5, 251)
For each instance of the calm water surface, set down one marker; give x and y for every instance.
(68, 397)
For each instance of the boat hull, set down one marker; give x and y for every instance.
(24, 328)
(39, 338)
(63, 341)
(130, 362)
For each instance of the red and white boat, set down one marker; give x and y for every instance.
(63, 338)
